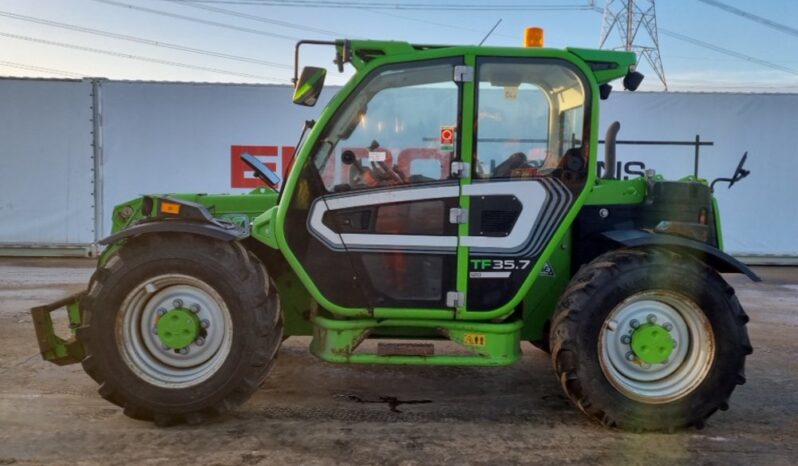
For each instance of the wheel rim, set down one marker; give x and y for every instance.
(670, 372)
(174, 361)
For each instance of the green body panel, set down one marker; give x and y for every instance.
(607, 192)
(718, 230)
(541, 300)
(487, 344)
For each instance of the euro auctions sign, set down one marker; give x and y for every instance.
(277, 158)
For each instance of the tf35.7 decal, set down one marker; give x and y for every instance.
(496, 268)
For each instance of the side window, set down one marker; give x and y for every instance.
(530, 119)
(391, 131)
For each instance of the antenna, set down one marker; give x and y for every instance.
(489, 32)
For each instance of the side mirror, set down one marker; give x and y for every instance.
(262, 171)
(632, 80)
(309, 86)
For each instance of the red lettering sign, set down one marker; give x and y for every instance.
(275, 157)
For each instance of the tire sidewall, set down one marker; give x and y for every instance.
(140, 265)
(687, 279)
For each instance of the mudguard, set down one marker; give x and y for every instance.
(712, 256)
(217, 230)
(180, 216)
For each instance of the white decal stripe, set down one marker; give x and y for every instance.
(360, 239)
(488, 274)
(392, 196)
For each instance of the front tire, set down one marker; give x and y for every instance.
(180, 328)
(649, 339)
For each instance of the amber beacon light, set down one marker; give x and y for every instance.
(533, 37)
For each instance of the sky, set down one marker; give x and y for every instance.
(704, 46)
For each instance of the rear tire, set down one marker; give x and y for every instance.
(234, 332)
(610, 380)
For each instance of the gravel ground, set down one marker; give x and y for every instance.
(309, 412)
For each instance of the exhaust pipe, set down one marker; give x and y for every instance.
(609, 150)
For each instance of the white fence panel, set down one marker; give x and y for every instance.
(46, 163)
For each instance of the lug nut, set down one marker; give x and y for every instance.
(674, 343)
(634, 323)
(630, 356)
(667, 326)
(183, 350)
(199, 341)
(195, 308)
(177, 303)
(626, 339)
(205, 323)
(161, 311)
(645, 365)
(651, 318)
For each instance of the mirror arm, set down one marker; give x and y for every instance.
(310, 42)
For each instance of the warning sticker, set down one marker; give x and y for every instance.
(474, 339)
(447, 138)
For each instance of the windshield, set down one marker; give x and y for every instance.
(388, 132)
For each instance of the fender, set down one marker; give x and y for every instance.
(213, 230)
(714, 257)
(188, 217)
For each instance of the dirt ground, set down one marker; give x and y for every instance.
(308, 413)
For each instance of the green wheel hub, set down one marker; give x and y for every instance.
(178, 328)
(652, 343)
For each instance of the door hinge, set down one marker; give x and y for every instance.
(458, 215)
(463, 73)
(455, 299)
(460, 169)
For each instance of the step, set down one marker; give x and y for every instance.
(480, 343)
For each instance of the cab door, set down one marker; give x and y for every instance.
(369, 220)
(529, 165)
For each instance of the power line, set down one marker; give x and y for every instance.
(726, 51)
(436, 23)
(430, 6)
(197, 20)
(752, 17)
(718, 49)
(23, 66)
(261, 19)
(140, 40)
(138, 57)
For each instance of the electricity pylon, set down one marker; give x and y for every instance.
(628, 17)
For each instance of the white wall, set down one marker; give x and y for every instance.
(759, 214)
(177, 137)
(46, 162)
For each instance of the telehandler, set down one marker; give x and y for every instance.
(444, 193)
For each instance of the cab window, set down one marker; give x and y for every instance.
(530, 119)
(388, 133)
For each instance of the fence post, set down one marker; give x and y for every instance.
(695, 159)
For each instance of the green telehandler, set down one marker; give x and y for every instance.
(445, 193)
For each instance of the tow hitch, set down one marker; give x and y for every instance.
(54, 348)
